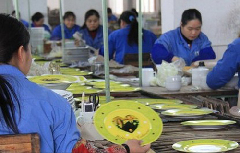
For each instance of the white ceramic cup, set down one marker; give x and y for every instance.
(147, 76)
(173, 83)
(85, 117)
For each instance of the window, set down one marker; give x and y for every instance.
(148, 6)
(116, 6)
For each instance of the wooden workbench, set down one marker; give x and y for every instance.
(174, 132)
(187, 90)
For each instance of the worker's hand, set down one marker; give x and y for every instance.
(135, 146)
(175, 58)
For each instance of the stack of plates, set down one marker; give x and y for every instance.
(76, 54)
(67, 95)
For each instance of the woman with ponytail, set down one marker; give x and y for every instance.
(125, 40)
(26, 107)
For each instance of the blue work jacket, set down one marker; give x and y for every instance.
(173, 44)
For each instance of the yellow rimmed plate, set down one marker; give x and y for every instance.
(186, 113)
(86, 90)
(101, 83)
(171, 106)
(48, 79)
(71, 71)
(124, 89)
(205, 145)
(112, 85)
(121, 120)
(208, 124)
(150, 101)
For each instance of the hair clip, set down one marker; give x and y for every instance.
(131, 18)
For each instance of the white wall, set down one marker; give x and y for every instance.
(6, 6)
(35, 6)
(221, 19)
(80, 7)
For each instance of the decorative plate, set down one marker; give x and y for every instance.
(80, 89)
(150, 101)
(112, 85)
(205, 145)
(124, 89)
(208, 124)
(71, 71)
(46, 79)
(171, 106)
(121, 120)
(186, 112)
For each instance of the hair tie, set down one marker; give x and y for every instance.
(131, 18)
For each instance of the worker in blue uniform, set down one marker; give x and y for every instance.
(70, 27)
(25, 23)
(38, 21)
(92, 31)
(30, 108)
(226, 68)
(111, 17)
(187, 41)
(125, 40)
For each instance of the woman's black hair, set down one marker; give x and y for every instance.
(189, 15)
(134, 11)
(37, 16)
(13, 35)
(130, 18)
(88, 14)
(69, 14)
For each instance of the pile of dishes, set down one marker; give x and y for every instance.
(76, 54)
(68, 96)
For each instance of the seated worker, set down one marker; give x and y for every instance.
(70, 27)
(38, 21)
(125, 40)
(187, 41)
(27, 107)
(92, 31)
(111, 18)
(25, 23)
(226, 67)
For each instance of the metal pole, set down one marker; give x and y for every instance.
(106, 53)
(16, 9)
(62, 26)
(140, 43)
(29, 15)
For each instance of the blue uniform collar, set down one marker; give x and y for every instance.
(11, 70)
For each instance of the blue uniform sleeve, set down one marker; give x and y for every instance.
(159, 53)
(47, 28)
(225, 69)
(205, 54)
(161, 49)
(111, 47)
(64, 130)
(56, 34)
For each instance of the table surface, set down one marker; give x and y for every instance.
(174, 132)
(187, 90)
